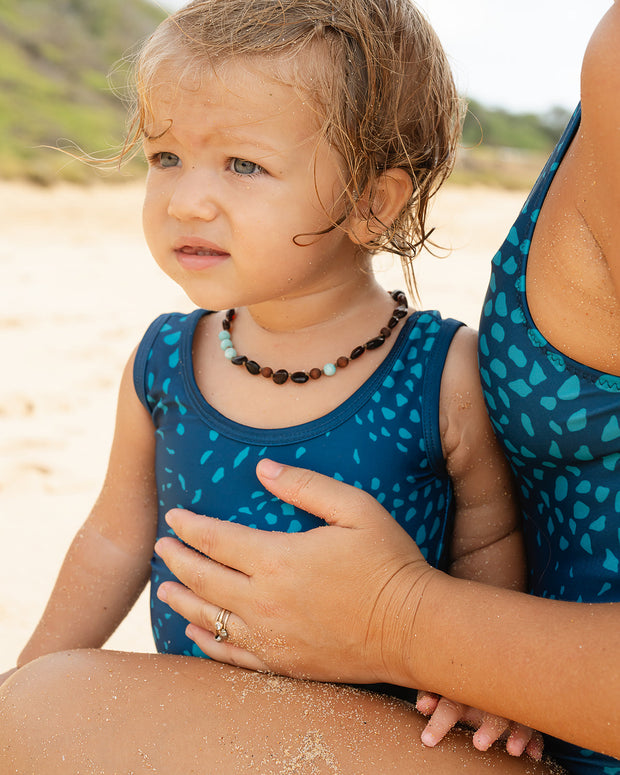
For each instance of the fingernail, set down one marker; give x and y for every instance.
(162, 594)
(483, 742)
(428, 738)
(169, 516)
(269, 469)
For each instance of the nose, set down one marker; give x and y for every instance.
(194, 197)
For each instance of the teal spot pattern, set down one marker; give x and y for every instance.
(559, 424)
(382, 440)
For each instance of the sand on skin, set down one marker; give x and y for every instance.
(78, 290)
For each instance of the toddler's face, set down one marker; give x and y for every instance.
(237, 176)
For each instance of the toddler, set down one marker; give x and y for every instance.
(288, 143)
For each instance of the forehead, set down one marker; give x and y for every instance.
(238, 93)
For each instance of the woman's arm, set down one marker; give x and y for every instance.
(354, 601)
(598, 162)
(107, 564)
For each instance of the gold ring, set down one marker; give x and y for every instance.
(221, 623)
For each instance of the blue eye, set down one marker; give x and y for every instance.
(244, 167)
(167, 159)
(164, 159)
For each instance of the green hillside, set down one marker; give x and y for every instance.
(506, 149)
(55, 60)
(62, 63)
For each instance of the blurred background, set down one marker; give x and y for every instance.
(64, 68)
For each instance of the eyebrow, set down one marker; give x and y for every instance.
(237, 135)
(228, 134)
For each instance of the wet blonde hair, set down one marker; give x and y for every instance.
(374, 70)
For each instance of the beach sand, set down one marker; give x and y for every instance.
(78, 290)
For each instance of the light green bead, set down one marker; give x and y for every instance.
(226, 344)
(329, 369)
(230, 353)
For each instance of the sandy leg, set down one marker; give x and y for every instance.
(108, 712)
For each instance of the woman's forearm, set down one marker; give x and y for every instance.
(549, 664)
(355, 602)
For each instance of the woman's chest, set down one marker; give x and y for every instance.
(570, 290)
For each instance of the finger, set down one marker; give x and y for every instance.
(491, 729)
(224, 651)
(201, 575)
(426, 702)
(518, 738)
(333, 501)
(441, 722)
(229, 543)
(535, 747)
(202, 629)
(203, 615)
(189, 605)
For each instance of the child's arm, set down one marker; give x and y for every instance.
(107, 564)
(487, 544)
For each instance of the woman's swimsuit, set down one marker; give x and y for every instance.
(558, 422)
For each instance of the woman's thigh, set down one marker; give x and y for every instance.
(107, 712)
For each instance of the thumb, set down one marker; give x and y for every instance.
(335, 502)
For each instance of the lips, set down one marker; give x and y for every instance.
(190, 251)
(197, 254)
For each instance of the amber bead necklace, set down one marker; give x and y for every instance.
(280, 376)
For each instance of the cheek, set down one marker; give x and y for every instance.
(153, 214)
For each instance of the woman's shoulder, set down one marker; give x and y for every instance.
(600, 127)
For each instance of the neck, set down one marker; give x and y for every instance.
(302, 343)
(308, 314)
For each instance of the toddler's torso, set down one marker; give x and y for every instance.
(383, 439)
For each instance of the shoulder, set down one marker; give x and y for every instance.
(600, 86)
(462, 408)
(461, 367)
(601, 64)
(600, 130)
(164, 348)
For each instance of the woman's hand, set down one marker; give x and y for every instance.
(337, 603)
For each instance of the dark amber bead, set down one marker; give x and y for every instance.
(374, 343)
(280, 376)
(239, 360)
(315, 373)
(342, 362)
(252, 367)
(299, 377)
(226, 324)
(400, 312)
(386, 332)
(393, 322)
(267, 371)
(230, 315)
(357, 352)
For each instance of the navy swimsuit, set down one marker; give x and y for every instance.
(384, 439)
(558, 422)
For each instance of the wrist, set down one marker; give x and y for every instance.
(405, 623)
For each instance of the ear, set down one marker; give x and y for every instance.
(391, 192)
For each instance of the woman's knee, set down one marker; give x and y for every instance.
(44, 706)
(36, 696)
